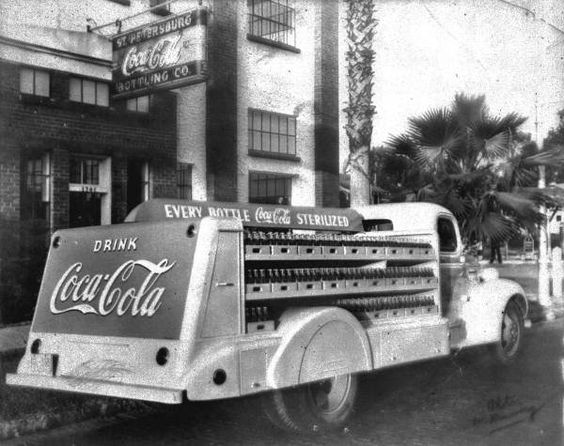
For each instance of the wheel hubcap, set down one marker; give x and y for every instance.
(330, 395)
(509, 334)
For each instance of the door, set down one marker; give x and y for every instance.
(449, 259)
(84, 209)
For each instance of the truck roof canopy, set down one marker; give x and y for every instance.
(250, 215)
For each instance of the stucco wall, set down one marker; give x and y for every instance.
(280, 81)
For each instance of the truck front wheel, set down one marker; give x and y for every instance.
(318, 406)
(511, 335)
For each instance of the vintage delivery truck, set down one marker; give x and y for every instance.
(201, 300)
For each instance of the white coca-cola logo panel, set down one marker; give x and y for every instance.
(275, 216)
(105, 294)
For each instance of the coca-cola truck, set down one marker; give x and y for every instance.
(200, 301)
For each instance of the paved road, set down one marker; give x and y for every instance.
(466, 400)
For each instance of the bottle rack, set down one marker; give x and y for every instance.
(389, 307)
(263, 246)
(373, 277)
(279, 283)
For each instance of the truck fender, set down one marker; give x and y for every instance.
(482, 309)
(317, 343)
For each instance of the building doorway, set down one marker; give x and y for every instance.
(138, 177)
(89, 191)
(84, 209)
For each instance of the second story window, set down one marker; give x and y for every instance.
(163, 10)
(272, 133)
(35, 82)
(89, 92)
(272, 20)
(139, 104)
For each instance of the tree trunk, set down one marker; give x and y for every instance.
(360, 182)
(360, 24)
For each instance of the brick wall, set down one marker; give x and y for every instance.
(119, 188)
(221, 102)
(9, 181)
(30, 125)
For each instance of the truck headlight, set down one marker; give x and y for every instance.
(489, 274)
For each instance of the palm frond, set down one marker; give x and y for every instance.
(523, 207)
(545, 158)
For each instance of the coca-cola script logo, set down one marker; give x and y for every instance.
(276, 216)
(102, 294)
(164, 53)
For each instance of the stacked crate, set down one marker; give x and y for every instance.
(373, 277)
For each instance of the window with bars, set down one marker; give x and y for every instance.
(272, 133)
(35, 189)
(84, 171)
(272, 20)
(35, 82)
(140, 104)
(270, 188)
(184, 181)
(89, 92)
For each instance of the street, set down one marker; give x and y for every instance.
(463, 400)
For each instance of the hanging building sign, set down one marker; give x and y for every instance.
(161, 55)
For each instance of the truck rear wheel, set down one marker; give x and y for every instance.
(511, 336)
(319, 406)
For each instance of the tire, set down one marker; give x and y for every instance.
(509, 345)
(319, 406)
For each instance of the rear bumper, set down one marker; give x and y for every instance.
(97, 387)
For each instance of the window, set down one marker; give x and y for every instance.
(163, 10)
(272, 133)
(84, 171)
(378, 225)
(34, 82)
(447, 235)
(35, 188)
(140, 104)
(89, 92)
(269, 188)
(184, 181)
(272, 20)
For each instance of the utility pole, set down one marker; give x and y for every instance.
(544, 277)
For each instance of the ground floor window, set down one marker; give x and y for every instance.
(184, 181)
(270, 188)
(35, 188)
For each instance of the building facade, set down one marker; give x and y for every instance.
(262, 126)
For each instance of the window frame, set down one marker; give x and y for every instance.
(446, 250)
(96, 83)
(150, 99)
(34, 84)
(266, 177)
(285, 37)
(86, 163)
(256, 144)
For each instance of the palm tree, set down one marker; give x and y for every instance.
(360, 25)
(477, 165)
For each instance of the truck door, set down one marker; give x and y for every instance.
(450, 250)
